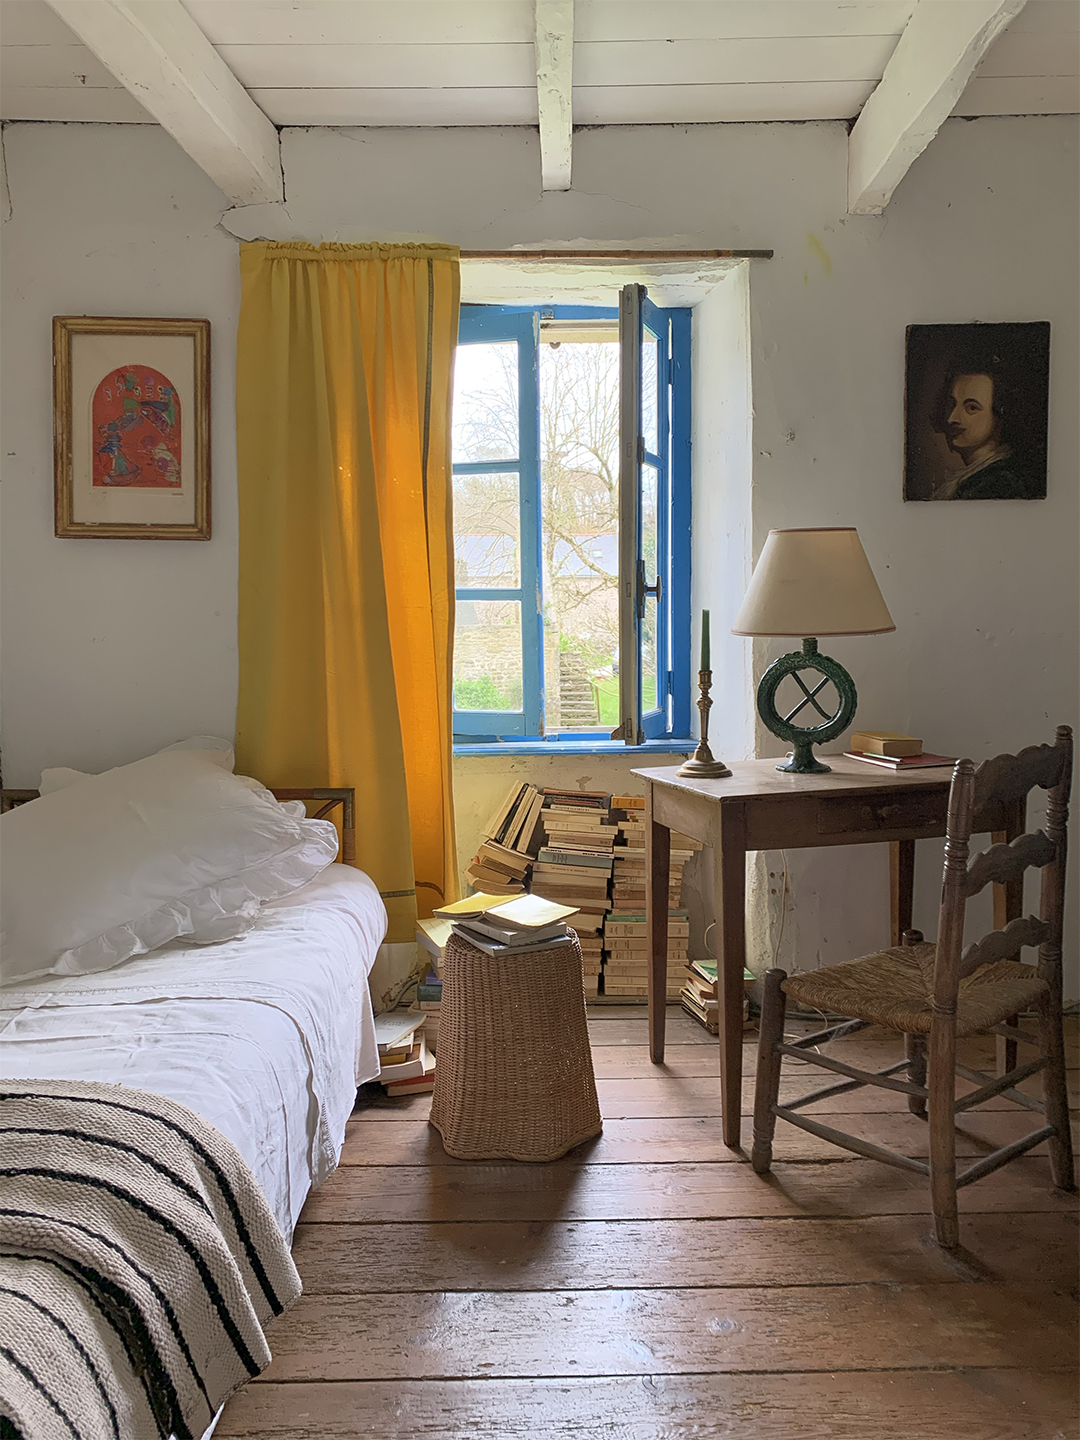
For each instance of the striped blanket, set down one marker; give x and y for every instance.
(139, 1262)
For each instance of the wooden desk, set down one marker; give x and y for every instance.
(759, 808)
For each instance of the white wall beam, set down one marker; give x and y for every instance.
(943, 42)
(554, 90)
(158, 53)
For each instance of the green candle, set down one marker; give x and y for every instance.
(705, 657)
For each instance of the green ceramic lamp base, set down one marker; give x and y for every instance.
(804, 762)
(801, 738)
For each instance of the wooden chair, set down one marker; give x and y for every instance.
(943, 992)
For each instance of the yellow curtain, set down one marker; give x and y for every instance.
(344, 372)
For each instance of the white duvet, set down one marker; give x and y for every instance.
(266, 1036)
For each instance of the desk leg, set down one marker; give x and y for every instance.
(901, 888)
(657, 869)
(729, 860)
(1009, 905)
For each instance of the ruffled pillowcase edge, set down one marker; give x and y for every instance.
(223, 910)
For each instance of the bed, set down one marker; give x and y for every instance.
(265, 1036)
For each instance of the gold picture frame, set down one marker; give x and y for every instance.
(131, 428)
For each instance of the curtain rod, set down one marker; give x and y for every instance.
(618, 256)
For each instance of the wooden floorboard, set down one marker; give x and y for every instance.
(1006, 1404)
(665, 1096)
(489, 1255)
(669, 1332)
(687, 1084)
(651, 1287)
(696, 1138)
(506, 1191)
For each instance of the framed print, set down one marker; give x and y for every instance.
(976, 405)
(131, 428)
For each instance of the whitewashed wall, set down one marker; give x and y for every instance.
(111, 648)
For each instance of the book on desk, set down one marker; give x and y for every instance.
(893, 751)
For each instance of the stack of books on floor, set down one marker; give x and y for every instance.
(628, 815)
(698, 995)
(626, 953)
(628, 875)
(626, 943)
(573, 867)
(431, 938)
(501, 864)
(505, 927)
(894, 752)
(407, 1063)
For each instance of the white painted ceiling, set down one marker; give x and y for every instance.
(472, 62)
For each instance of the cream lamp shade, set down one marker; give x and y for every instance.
(813, 582)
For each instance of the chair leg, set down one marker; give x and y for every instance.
(1005, 1050)
(1055, 1094)
(767, 1084)
(915, 1050)
(943, 1131)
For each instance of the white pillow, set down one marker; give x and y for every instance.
(220, 751)
(120, 863)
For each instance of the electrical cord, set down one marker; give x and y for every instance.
(783, 911)
(785, 890)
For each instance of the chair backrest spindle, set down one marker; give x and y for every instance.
(1052, 890)
(953, 890)
(998, 783)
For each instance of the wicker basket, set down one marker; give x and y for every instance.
(514, 1078)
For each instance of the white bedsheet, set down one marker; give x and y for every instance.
(267, 1036)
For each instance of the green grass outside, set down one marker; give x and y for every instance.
(608, 694)
(485, 695)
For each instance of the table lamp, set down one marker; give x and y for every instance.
(810, 583)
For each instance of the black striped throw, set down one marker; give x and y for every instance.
(139, 1262)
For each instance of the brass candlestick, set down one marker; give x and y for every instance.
(702, 765)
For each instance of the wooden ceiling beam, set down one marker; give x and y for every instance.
(159, 54)
(554, 90)
(929, 70)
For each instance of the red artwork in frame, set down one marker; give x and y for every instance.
(136, 430)
(131, 427)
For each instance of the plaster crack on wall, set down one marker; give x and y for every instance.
(5, 192)
(271, 221)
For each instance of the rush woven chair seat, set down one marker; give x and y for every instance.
(943, 991)
(895, 988)
(514, 1078)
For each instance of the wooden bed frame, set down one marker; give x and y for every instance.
(343, 795)
(329, 796)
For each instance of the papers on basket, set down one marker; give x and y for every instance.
(522, 912)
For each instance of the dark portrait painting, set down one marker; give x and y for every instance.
(976, 409)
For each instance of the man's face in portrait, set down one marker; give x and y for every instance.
(971, 422)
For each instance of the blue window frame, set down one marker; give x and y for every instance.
(497, 325)
(505, 585)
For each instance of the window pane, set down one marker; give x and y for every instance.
(579, 450)
(486, 402)
(487, 655)
(487, 532)
(650, 492)
(648, 656)
(650, 351)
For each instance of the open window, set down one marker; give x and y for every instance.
(572, 522)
